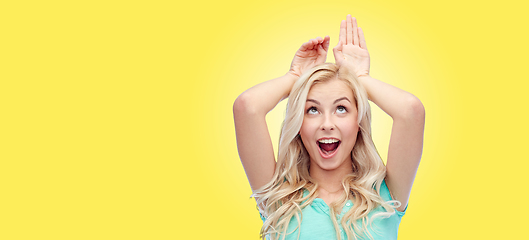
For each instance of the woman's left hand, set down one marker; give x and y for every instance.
(351, 51)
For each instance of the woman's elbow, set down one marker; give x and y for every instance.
(416, 110)
(243, 105)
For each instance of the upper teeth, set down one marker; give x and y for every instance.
(328, 140)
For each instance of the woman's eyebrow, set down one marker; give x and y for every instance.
(314, 101)
(340, 99)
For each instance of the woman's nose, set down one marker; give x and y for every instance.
(327, 123)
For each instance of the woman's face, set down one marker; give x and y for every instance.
(330, 125)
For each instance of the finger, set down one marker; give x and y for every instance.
(326, 42)
(342, 31)
(321, 51)
(355, 32)
(306, 46)
(315, 43)
(337, 53)
(362, 38)
(309, 45)
(338, 46)
(349, 30)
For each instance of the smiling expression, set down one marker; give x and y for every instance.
(330, 125)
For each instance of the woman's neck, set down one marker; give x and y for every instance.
(330, 180)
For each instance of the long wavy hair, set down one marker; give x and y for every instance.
(282, 198)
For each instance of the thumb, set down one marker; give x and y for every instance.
(338, 56)
(321, 49)
(339, 45)
(326, 42)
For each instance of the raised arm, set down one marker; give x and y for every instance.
(250, 109)
(407, 112)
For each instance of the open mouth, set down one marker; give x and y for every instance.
(328, 147)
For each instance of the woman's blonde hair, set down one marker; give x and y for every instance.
(282, 198)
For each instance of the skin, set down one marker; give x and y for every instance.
(406, 110)
(250, 109)
(330, 112)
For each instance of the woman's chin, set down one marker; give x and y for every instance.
(328, 164)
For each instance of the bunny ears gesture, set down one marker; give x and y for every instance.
(350, 33)
(351, 51)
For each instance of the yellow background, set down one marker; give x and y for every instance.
(116, 116)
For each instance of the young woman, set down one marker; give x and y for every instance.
(329, 181)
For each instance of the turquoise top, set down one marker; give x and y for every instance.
(317, 223)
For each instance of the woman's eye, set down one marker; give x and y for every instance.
(312, 110)
(341, 109)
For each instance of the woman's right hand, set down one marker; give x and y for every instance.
(310, 54)
(250, 108)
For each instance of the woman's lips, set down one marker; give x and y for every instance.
(328, 150)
